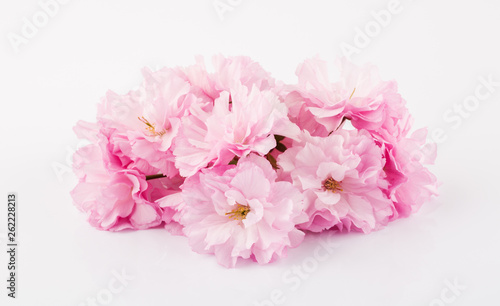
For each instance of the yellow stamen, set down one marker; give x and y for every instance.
(239, 213)
(352, 93)
(150, 127)
(332, 185)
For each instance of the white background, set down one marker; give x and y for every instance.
(436, 50)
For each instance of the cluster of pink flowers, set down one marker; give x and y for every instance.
(243, 165)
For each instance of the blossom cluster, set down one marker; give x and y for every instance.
(244, 165)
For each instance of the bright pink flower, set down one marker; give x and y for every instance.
(342, 178)
(241, 212)
(410, 182)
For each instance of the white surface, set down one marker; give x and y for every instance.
(436, 50)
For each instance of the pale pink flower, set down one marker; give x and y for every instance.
(172, 205)
(227, 73)
(112, 200)
(410, 182)
(342, 178)
(230, 72)
(315, 103)
(243, 116)
(115, 194)
(201, 81)
(374, 105)
(319, 105)
(241, 212)
(143, 123)
(241, 164)
(241, 121)
(365, 94)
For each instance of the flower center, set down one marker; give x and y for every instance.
(332, 185)
(150, 127)
(239, 213)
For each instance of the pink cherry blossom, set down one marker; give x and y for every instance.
(143, 123)
(226, 73)
(342, 178)
(172, 205)
(410, 182)
(112, 200)
(242, 164)
(116, 197)
(319, 105)
(241, 212)
(230, 72)
(241, 121)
